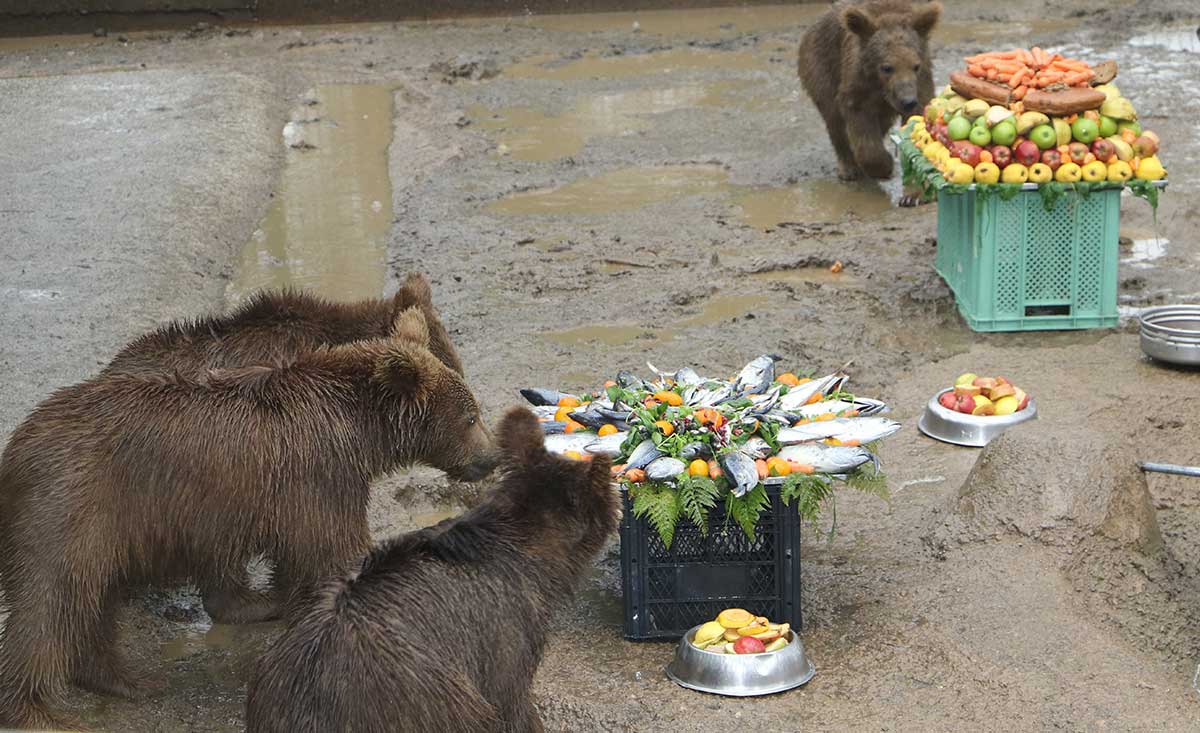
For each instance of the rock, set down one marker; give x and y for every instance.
(463, 67)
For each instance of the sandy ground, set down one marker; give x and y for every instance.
(587, 193)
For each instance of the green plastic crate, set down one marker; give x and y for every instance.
(1014, 266)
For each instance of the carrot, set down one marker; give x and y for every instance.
(1003, 78)
(1076, 79)
(800, 467)
(1019, 78)
(1046, 78)
(992, 74)
(852, 443)
(977, 71)
(1027, 57)
(1020, 92)
(1040, 57)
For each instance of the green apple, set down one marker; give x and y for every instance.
(1085, 130)
(980, 135)
(1044, 136)
(959, 128)
(1130, 124)
(1004, 133)
(1108, 126)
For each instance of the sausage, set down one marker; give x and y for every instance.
(971, 88)
(1064, 101)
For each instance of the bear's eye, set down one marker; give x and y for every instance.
(917, 67)
(886, 68)
(471, 420)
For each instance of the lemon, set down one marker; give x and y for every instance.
(1119, 171)
(1068, 173)
(1040, 173)
(1015, 173)
(961, 173)
(1094, 172)
(1150, 169)
(987, 173)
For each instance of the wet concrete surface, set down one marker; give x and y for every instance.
(587, 193)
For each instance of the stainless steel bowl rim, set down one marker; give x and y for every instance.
(974, 431)
(981, 420)
(746, 675)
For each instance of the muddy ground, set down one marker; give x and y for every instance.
(587, 193)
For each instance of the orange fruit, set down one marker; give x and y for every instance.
(568, 402)
(803, 380)
(761, 466)
(635, 475)
(572, 426)
(698, 467)
(617, 468)
(788, 378)
(606, 430)
(817, 397)
(671, 398)
(650, 402)
(610, 383)
(714, 468)
(778, 467)
(824, 417)
(561, 413)
(666, 427)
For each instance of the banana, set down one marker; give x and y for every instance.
(1124, 149)
(1118, 108)
(1062, 130)
(1029, 120)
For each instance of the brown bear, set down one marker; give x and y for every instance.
(272, 327)
(133, 479)
(442, 629)
(864, 64)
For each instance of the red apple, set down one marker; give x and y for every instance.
(984, 383)
(1078, 152)
(948, 400)
(748, 645)
(1022, 398)
(942, 134)
(1001, 155)
(1104, 150)
(969, 154)
(1052, 158)
(1145, 146)
(1027, 153)
(965, 404)
(967, 390)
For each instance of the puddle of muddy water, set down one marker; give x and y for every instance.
(627, 188)
(807, 275)
(593, 66)
(327, 228)
(1143, 251)
(717, 310)
(811, 202)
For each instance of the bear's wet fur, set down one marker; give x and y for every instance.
(128, 479)
(864, 64)
(442, 629)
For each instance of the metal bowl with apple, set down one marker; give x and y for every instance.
(948, 416)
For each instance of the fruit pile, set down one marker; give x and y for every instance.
(1006, 120)
(974, 395)
(737, 631)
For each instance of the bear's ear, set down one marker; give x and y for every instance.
(408, 371)
(520, 436)
(410, 325)
(926, 17)
(414, 291)
(857, 21)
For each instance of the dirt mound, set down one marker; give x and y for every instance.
(1087, 499)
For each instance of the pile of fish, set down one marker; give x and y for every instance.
(813, 422)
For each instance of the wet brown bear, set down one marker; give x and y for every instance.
(269, 328)
(864, 64)
(273, 326)
(443, 628)
(129, 479)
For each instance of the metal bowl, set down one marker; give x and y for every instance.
(1171, 333)
(974, 431)
(740, 675)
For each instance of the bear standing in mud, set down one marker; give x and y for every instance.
(443, 628)
(127, 479)
(865, 64)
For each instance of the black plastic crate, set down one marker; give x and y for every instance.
(667, 592)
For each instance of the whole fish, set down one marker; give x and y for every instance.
(764, 402)
(756, 376)
(628, 380)
(707, 397)
(542, 396)
(553, 427)
(544, 412)
(608, 445)
(824, 407)
(798, 396)
(828, 458)
(862, 429)
(756, 448)
(664, 468)
(692, 451)
(596, 417)
(741, 471)
(642, 455)
(687, 375)
(563, 442)
(867, 406)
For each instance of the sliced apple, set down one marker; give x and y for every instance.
(983, 406)
(984, 382)
(767, 636)
(1022, 398)
(1001, 390)
(1002, 380)
(776, 645)
(751, 630)
(728, 648)
(731, 635)
(1006, 405)
(965, 379)
(967, 390)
